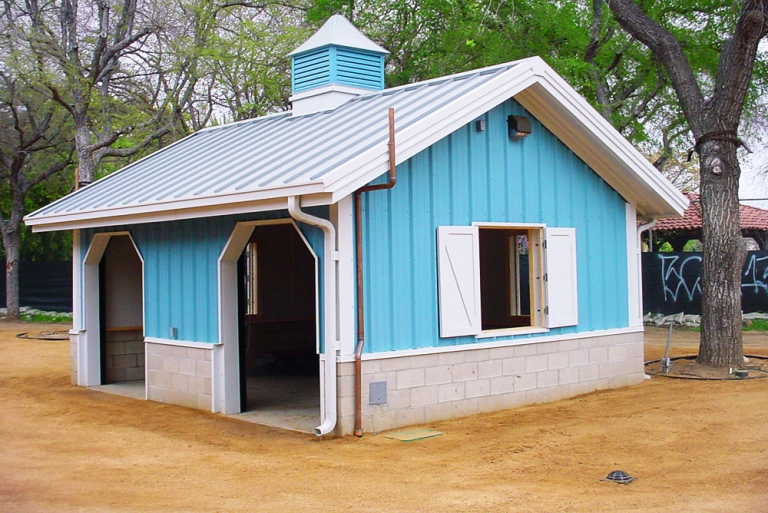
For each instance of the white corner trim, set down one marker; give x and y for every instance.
(634, 268)
(495, 344)
(181, 343)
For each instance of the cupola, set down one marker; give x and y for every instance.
(334, 65)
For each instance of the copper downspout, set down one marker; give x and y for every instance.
(359, 248)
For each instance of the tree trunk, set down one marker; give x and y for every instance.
(85, 161)
(723, 258)
(11, 243)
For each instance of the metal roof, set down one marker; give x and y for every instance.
(255, 165)
(338, 31)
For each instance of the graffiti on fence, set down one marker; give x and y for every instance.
(672, 282)
(675, 279)
(755, 274)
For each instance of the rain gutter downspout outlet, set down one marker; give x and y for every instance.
(330, 263)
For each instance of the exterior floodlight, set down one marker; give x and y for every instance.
(518, 126)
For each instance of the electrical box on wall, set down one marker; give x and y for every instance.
(377, 393)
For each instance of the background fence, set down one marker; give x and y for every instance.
(672, 283)
(43, 285)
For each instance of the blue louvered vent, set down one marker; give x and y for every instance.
(311, 69)
(337, 65)
(359, 69)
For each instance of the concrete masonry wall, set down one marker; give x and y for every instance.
(432, 387)
(179, 375)
(124, 359)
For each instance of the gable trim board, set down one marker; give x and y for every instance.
(530, 81)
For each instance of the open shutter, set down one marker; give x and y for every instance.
(458, 280)
(560, 268)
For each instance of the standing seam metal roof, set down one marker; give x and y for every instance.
(269, 152)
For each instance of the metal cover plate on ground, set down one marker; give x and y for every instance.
(410, 435)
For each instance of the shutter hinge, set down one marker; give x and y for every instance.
(546, 278)
(546, 310)
(544, 244)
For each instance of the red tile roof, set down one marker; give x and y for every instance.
(751, 217)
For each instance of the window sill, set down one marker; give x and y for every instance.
(507, 332)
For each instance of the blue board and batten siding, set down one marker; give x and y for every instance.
(181, 266)
(473, 176)
(337, 65)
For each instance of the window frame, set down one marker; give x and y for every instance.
(554, 303)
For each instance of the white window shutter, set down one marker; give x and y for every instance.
(560, 268)
(458, 280)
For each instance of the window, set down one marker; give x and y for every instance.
(251, 279)
(499, 276)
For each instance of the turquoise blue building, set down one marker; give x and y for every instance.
(392, 256)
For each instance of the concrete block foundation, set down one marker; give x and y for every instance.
(430, 387)
(179, 375)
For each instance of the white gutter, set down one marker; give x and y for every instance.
(647, 226)
(331, 339)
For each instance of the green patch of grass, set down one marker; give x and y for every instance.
(756, 325)
(47, 317)
(34, 315)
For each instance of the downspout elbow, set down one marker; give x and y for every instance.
(646, 226)
(330, 416)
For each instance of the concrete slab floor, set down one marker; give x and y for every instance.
(287, 402)
(134, 389)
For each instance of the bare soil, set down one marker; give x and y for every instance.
(694, 446)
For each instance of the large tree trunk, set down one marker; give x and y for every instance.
(11, 244)
(714, 123)
(723, 258)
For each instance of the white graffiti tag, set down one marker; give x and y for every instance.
(673, 277)
(759, 280)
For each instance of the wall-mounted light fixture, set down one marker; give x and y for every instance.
(518, 126)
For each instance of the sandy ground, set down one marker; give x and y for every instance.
(694, 446)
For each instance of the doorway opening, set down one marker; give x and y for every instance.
(279, 366)
(121, 316)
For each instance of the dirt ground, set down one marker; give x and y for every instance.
(694, 446)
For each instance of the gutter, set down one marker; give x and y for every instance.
(358, 430)
(643, 227)
(328, 406)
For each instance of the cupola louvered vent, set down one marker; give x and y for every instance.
(337, 63)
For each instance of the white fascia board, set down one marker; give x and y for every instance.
(637, 171)
(139, 216)
(430, 129)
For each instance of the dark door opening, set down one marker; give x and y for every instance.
(279, 366)
(121, 313)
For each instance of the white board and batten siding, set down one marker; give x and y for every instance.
(459, 279)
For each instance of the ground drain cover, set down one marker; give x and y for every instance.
(411, 435)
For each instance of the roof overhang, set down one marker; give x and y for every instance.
(160, 212)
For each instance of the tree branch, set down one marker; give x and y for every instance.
(670, 52)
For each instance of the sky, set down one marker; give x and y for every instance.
(754, 175)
